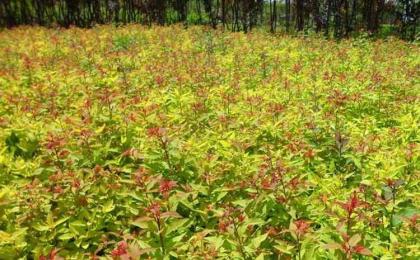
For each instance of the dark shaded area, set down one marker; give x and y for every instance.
(338, 18)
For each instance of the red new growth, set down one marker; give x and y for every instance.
(120, 250)
(51, 255)
(241, 217)
(223, 226)
(140, 176)
(155, 132)
(54, 142)
(154, 208)
(351, 204)
(166, 186)
(412, 221)
(359, 249)
(310, 154)
(302, 227)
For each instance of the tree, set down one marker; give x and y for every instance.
(300, 19)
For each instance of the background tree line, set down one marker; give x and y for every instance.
(338, 18)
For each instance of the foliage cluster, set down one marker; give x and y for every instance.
(167, 143)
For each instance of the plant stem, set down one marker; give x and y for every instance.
(166, 154)
(162, 244)
(299, 248)
(348, 223)
(241, 250)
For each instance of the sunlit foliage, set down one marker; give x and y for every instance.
(198, 144)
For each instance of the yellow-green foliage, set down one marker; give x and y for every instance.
(193, 143)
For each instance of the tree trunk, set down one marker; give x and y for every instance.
(300, 15)
(316, 16)
(287, 15)
(327, 22)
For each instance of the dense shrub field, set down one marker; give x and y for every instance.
(167, 143)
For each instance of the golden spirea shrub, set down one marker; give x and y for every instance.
(173, 143)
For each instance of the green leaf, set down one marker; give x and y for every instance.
(66, 236)
(108, 207)
(77, 227)
(242, 203)
(393, 238)
(366, 182)
(221, 195)
(332, 246)
(217, 242)
(60, 221)
(143, 222)
(40, 227)
(175, 225)
(255, 222)
(258, 240)
(170, 214)
(4, 236)
(284, 248)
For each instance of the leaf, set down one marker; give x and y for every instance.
(258, 240)
(366, 182)
(50, 220)
(399, 182)
(4, 236)
(133, 195)
(393, 238)
(387, 193)
(170, 214)
(216, 241)
(40, 227)
(108, 207)
(175, 225)
(404, 214)
(77, 227)
(144, 245)
(243, 203)
(355, 160)
(221, 195)
(224, 143)
(5, 196)
(142, 222)
(354, 240)
(192, 208)
(85, 245)
(66, 236)
(284, 248)
(332, 246)
(135, 251)
(200, 188)
(254, 222)
(365, 251)
(60, 221)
